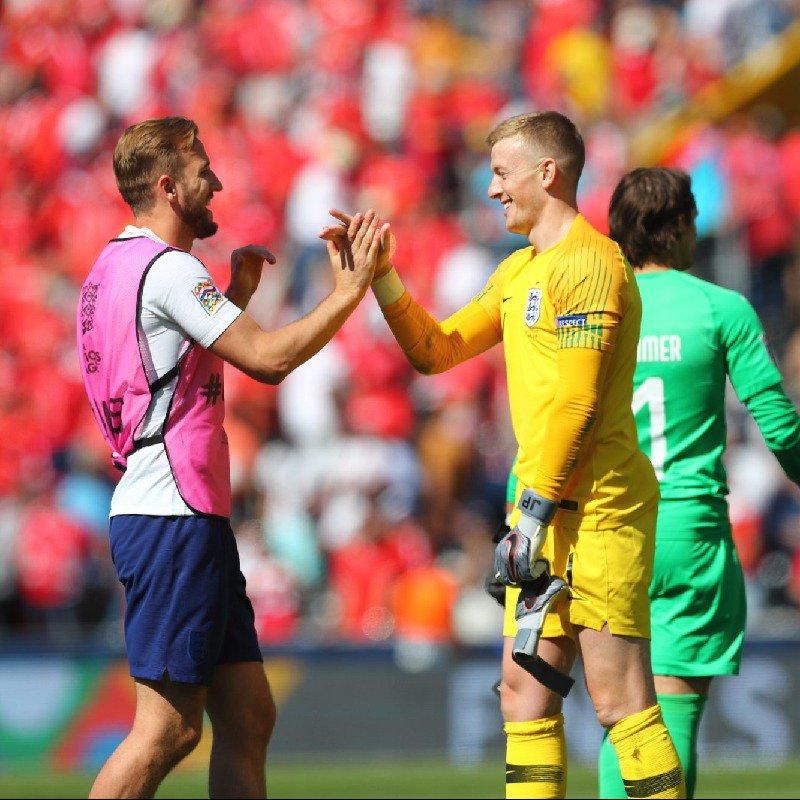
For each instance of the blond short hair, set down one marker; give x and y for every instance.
(149, 149)
(551, 133)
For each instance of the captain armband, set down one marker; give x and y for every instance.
(580, 330)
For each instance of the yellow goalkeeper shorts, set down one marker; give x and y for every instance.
(608, 572)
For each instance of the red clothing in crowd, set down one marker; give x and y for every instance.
(50, 557)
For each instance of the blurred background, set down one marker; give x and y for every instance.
(365, 496)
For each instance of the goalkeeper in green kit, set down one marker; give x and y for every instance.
(694, 334)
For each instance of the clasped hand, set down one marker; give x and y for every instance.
(342, 236)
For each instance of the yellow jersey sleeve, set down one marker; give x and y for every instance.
(433, 346)
(587, 288)
(572, 414)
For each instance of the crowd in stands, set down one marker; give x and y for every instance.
(365, 495)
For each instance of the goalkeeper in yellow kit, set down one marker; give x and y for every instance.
(567, 310)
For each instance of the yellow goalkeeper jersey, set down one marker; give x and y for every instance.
(569, 321)
(574, 295)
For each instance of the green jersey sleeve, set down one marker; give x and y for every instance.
(777, 419)
(757, 382)
(748, 361)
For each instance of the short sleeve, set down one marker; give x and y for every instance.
(588, 290)
(748, 360)
(180, 290)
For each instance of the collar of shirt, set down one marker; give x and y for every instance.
(132, 230)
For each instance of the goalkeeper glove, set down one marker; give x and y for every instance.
(515, 557)
(495, 589)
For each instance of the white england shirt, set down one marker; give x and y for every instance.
(171, 316)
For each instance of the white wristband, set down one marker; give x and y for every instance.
(388, 288)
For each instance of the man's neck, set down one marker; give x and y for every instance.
(170, 231)
(553, 224)
(651, 266)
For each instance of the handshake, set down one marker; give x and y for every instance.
(356, 233)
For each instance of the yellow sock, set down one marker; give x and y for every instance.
(647, 758)
(536, 758)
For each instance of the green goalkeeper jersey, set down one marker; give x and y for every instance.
(693, 335)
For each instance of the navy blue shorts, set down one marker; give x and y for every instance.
(187, 610)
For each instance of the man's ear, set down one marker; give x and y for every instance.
(166, 184)
(549, 171)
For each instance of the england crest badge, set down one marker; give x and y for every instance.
(533, 307)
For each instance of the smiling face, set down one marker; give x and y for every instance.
(518, 182)
(194, 190)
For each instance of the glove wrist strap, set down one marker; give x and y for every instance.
(536, 506)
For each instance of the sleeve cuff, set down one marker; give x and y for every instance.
(232, 314)
(389, 288)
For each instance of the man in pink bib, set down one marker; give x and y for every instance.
(153, 333)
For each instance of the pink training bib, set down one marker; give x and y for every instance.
(121, 384)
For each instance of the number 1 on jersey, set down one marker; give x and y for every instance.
(651, 394)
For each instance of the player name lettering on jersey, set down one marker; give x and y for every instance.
(659, 348)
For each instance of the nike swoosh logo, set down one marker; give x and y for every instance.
(506, 298)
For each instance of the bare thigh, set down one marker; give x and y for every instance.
(522, 697)
(619, 677)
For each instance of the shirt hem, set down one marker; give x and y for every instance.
(137, 511)
(212, 337)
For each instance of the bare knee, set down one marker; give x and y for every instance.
(609, 711)
(171, 741)
(613, 705)
(618, 674)
(252, 727)
(519, 704)
(522, 697)
(185, 740)
(259, 722)
(616, 700)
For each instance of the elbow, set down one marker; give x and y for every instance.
(272, 378)
(272, 374)
(277, 372)
(424, 368)
(428, 362)
(271, 364)
(582, 409)
(428, 367)
(431, 356)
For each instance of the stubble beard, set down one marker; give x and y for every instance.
(197, 217)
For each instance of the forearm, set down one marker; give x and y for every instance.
(295, 343)
(269, 356)
(432, 346)
(583, 357)
(572, 414)
(419, 335)
(778, 421)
